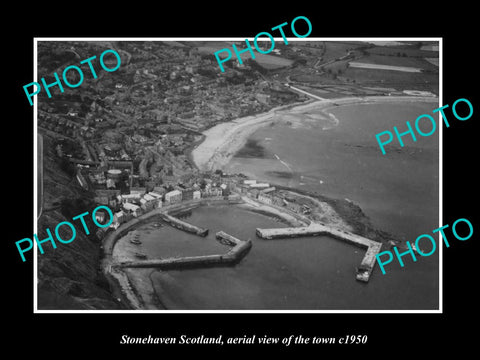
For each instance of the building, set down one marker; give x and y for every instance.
(118, 219)
(130, 198)
(151, 202)
(196, 195)
(212, 191)
(268, 190)
(114, 174)
(110, 184)
(260, 186)
(102, 200)
(249, 182)
(253, 193)
(155, 194)
(149, 197)
(137, 190)
(265, 198)
(134, 209)
(173, 197)
(146, 205)
(187, 194)
(97, 176)
(159, 190)
(157, 199)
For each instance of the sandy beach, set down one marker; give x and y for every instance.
(223, 141)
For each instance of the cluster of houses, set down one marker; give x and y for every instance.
(140, 201)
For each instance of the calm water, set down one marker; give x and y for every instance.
(399, 192)
(301, 273)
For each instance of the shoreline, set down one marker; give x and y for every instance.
(221, 142)
(130, 284)
(138, 285)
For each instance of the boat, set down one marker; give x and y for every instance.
(140, 255)
(135, 241)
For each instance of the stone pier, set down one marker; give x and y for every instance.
(314, 229)
(239, 250)
(183, 225)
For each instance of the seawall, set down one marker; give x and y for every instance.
(182, 225)
(232, 257)
(366, 266)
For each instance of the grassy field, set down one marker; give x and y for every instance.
(394, 51)
(212, 46)
(398, 61)
(335, 50)
(271, 62)
(340, 73)
(396, 79)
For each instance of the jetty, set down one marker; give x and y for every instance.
(240, 247)
(232, 257)
(183, 225)
(314, 229)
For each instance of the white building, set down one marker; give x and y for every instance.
(157, 197)
(155, 194)
(267, 199)
(118, 219)
(249, 182)
(149, 197)
(197, 194)
(140, 191)
(135, 209)
(143, 205)
(130, 197)
(268, 190)
(260, 186)
(174, 196)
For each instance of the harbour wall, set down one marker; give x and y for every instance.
(232, 257)
(368, 262)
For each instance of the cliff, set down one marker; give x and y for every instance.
(69, 277)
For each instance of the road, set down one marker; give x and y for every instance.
(361, 65)
(305, 92)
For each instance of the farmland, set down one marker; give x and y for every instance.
(331, 68)
(271, 62)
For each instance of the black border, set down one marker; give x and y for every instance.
(91, 334)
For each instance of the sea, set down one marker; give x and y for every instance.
(334, 153)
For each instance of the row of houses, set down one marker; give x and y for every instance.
(139, 201)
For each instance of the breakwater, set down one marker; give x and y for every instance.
(239, 250)
(314, 229)
(183, 225)
(112, 236)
